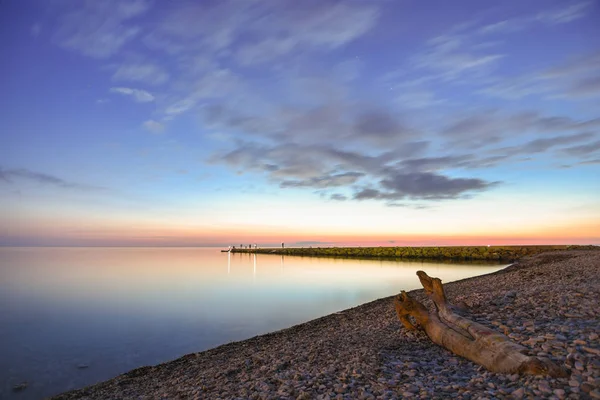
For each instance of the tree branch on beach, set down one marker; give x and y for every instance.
(466, 338)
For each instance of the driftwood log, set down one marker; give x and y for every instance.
(466, 338)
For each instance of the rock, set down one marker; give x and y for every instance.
(519, 393)
(591, 350)
(595, 394)
(303, 396)
(586, 387)
(544, 388)
(412, 388)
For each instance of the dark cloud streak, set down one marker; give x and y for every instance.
(45, 179)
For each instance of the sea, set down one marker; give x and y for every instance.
(72, 317)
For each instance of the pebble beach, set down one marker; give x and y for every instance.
(549, 303)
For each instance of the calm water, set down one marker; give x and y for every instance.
(114, 309)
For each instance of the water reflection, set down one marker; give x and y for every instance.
(115, 309)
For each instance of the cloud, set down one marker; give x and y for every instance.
(338, 197)
(140, 96)
(257, 32)
(45, 179)
(321, 25)
(154, 126)
(99, 29)
(432, 163)
(379, 126)
(427, 185)
(580, 64)
(487, 125)
(590, 162)
(583, 150)
(505, 26)
(452, 56)
(562, 15)
(418, 99)
(216, 84)
(333, 180)
(564, 81)
(541, 145)
(566, 14)
(323, 166)
(587, 87)
(141, 72)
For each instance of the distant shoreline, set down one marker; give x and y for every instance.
(455, 253)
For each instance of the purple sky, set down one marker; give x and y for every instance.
(200, 122)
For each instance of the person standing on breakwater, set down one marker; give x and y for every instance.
(282, 245)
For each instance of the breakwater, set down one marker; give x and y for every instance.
(491, 253)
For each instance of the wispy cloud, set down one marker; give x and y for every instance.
(583, 150)
(452, 56)
(565, 14)
(322, 26)
(505, 26)
(586, 87)
(141, 72)
(11, 175)
(571, 79)
(338, 197)
(141, 96)
(100, 29)
(320, 182)
(154, 126)
(553, 16)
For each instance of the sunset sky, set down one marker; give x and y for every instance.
(362, 122)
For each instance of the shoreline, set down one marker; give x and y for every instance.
(546, 302)
(434, 253)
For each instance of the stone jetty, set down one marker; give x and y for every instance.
(483, 253)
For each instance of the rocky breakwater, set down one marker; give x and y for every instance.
(484, 253)
(548, 303)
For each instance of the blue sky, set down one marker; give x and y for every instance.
(209, 122)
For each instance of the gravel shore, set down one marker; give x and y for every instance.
(550, 303)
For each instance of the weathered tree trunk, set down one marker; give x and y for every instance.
(466, 338)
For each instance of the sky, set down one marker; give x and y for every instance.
(313, 122)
